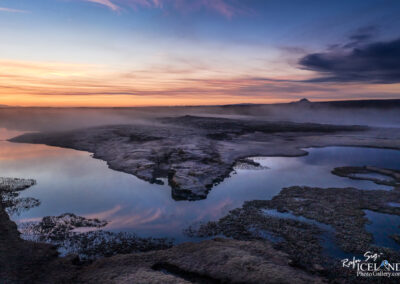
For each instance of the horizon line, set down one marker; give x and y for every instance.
(176, 106)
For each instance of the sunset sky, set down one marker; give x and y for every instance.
(196, 52)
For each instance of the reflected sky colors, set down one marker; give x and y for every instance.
(72, 181)
(194, 52)
(383, 226)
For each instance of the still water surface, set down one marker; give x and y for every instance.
(72, 181)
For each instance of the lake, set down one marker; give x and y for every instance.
(72, 181)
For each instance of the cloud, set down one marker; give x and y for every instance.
(227, 8)
(361, 36)
(72, 84)
(372, 62)
(10, 10)
(106, 3)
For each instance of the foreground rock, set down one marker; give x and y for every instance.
(214, 261)
(272, 241)
(195, 153)
(377, 175)
(23, 261)
(299, 219)
(64, 232)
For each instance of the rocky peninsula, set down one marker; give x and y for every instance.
(194, 153)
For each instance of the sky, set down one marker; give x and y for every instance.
(197, 52)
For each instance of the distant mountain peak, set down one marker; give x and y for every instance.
(304, 100)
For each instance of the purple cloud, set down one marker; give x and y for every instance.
(227, 8)
(10, 10)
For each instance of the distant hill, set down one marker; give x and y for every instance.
(394, 103)
(305, 103)
(382, 104)
(385, 103)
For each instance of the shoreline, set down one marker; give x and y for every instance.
(27, 261)
(196, 153)
(297, 253)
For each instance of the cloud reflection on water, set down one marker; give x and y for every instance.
(72, 181)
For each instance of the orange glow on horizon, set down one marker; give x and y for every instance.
(53, 84)
(125, 101)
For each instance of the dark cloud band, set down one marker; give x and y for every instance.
(377, 62)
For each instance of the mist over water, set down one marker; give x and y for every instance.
(58, 119)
